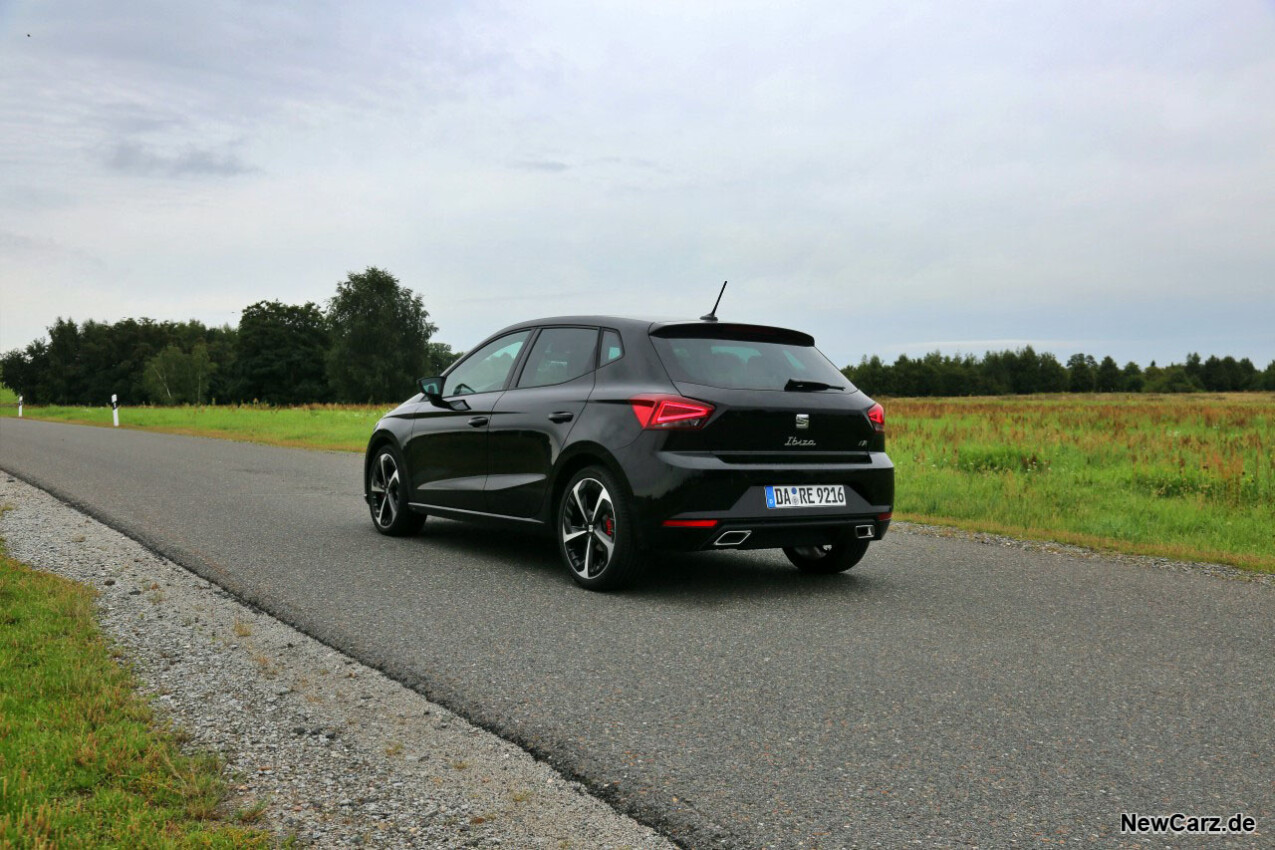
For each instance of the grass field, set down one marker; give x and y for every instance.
(318, 426)
(82, 763)
(1182, 476)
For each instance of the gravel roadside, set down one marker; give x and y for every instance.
(329, 751)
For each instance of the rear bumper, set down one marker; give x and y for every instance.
(765, 533)
(685, 486)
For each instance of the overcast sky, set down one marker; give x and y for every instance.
(893, 178)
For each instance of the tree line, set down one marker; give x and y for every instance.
(1024, 371)
(373, 338)
(367, 344)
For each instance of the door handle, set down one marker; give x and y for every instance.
(478, 421)
(562, 416)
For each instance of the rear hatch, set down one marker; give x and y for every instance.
(778, 400)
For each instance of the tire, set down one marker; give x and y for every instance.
(386, 492)
(829, 559)
(595, 531)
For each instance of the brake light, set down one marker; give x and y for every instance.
(690, 523)
(876, 414)
(670, 412)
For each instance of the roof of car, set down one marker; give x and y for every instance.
(634, 323)
(619, 322)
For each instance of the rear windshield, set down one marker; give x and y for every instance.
(746, 364)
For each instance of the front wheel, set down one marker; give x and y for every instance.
(595, 531)
(827, 559)
(386, 490)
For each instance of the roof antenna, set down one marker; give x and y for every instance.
(712, 314)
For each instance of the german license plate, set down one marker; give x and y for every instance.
(806, 496)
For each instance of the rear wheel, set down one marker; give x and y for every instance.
(595, 531)
(386, 491)
(827, 559)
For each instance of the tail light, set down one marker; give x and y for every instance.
(876, 414)
(670, 412)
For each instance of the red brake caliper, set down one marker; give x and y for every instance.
(608, 525)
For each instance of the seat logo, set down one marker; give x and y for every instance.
(803, 421)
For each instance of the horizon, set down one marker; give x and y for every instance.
(954, 354)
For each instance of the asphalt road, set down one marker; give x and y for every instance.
(944, 693)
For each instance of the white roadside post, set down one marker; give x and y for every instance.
(115, 409)
(19, 407)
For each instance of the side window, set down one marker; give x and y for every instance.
(559, 355)
(612, 348)
(486, 369)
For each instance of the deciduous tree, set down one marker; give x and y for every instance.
(1108, 378)
(179, 377)
(1082, 374)
(380, 338)
(1132, 377)
(281, 355)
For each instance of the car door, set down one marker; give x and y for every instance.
(533, 418)
(447, 451)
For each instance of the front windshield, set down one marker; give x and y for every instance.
(747, 364)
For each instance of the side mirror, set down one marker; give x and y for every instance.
(433, 390)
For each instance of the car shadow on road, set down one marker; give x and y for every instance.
(699, 578)
(702, 577)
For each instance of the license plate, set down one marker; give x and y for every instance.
(806, 496)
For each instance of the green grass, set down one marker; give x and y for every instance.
(7, 396)
(1184, 476)
(82, 762)
(1188, 477)
(319, 426)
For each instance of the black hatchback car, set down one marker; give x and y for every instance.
(618, 436)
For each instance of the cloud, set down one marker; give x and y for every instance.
(138, 159)
(978, 346)
(954, 174)
(30, 197)
(541, 165)
(17, 249)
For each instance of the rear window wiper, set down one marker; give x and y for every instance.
(794, 385)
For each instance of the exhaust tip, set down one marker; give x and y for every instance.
(731, 538)
(864, 532)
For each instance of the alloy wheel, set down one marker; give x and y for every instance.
(589, 528)
(384, 487)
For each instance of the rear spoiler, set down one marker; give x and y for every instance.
(725, 330)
